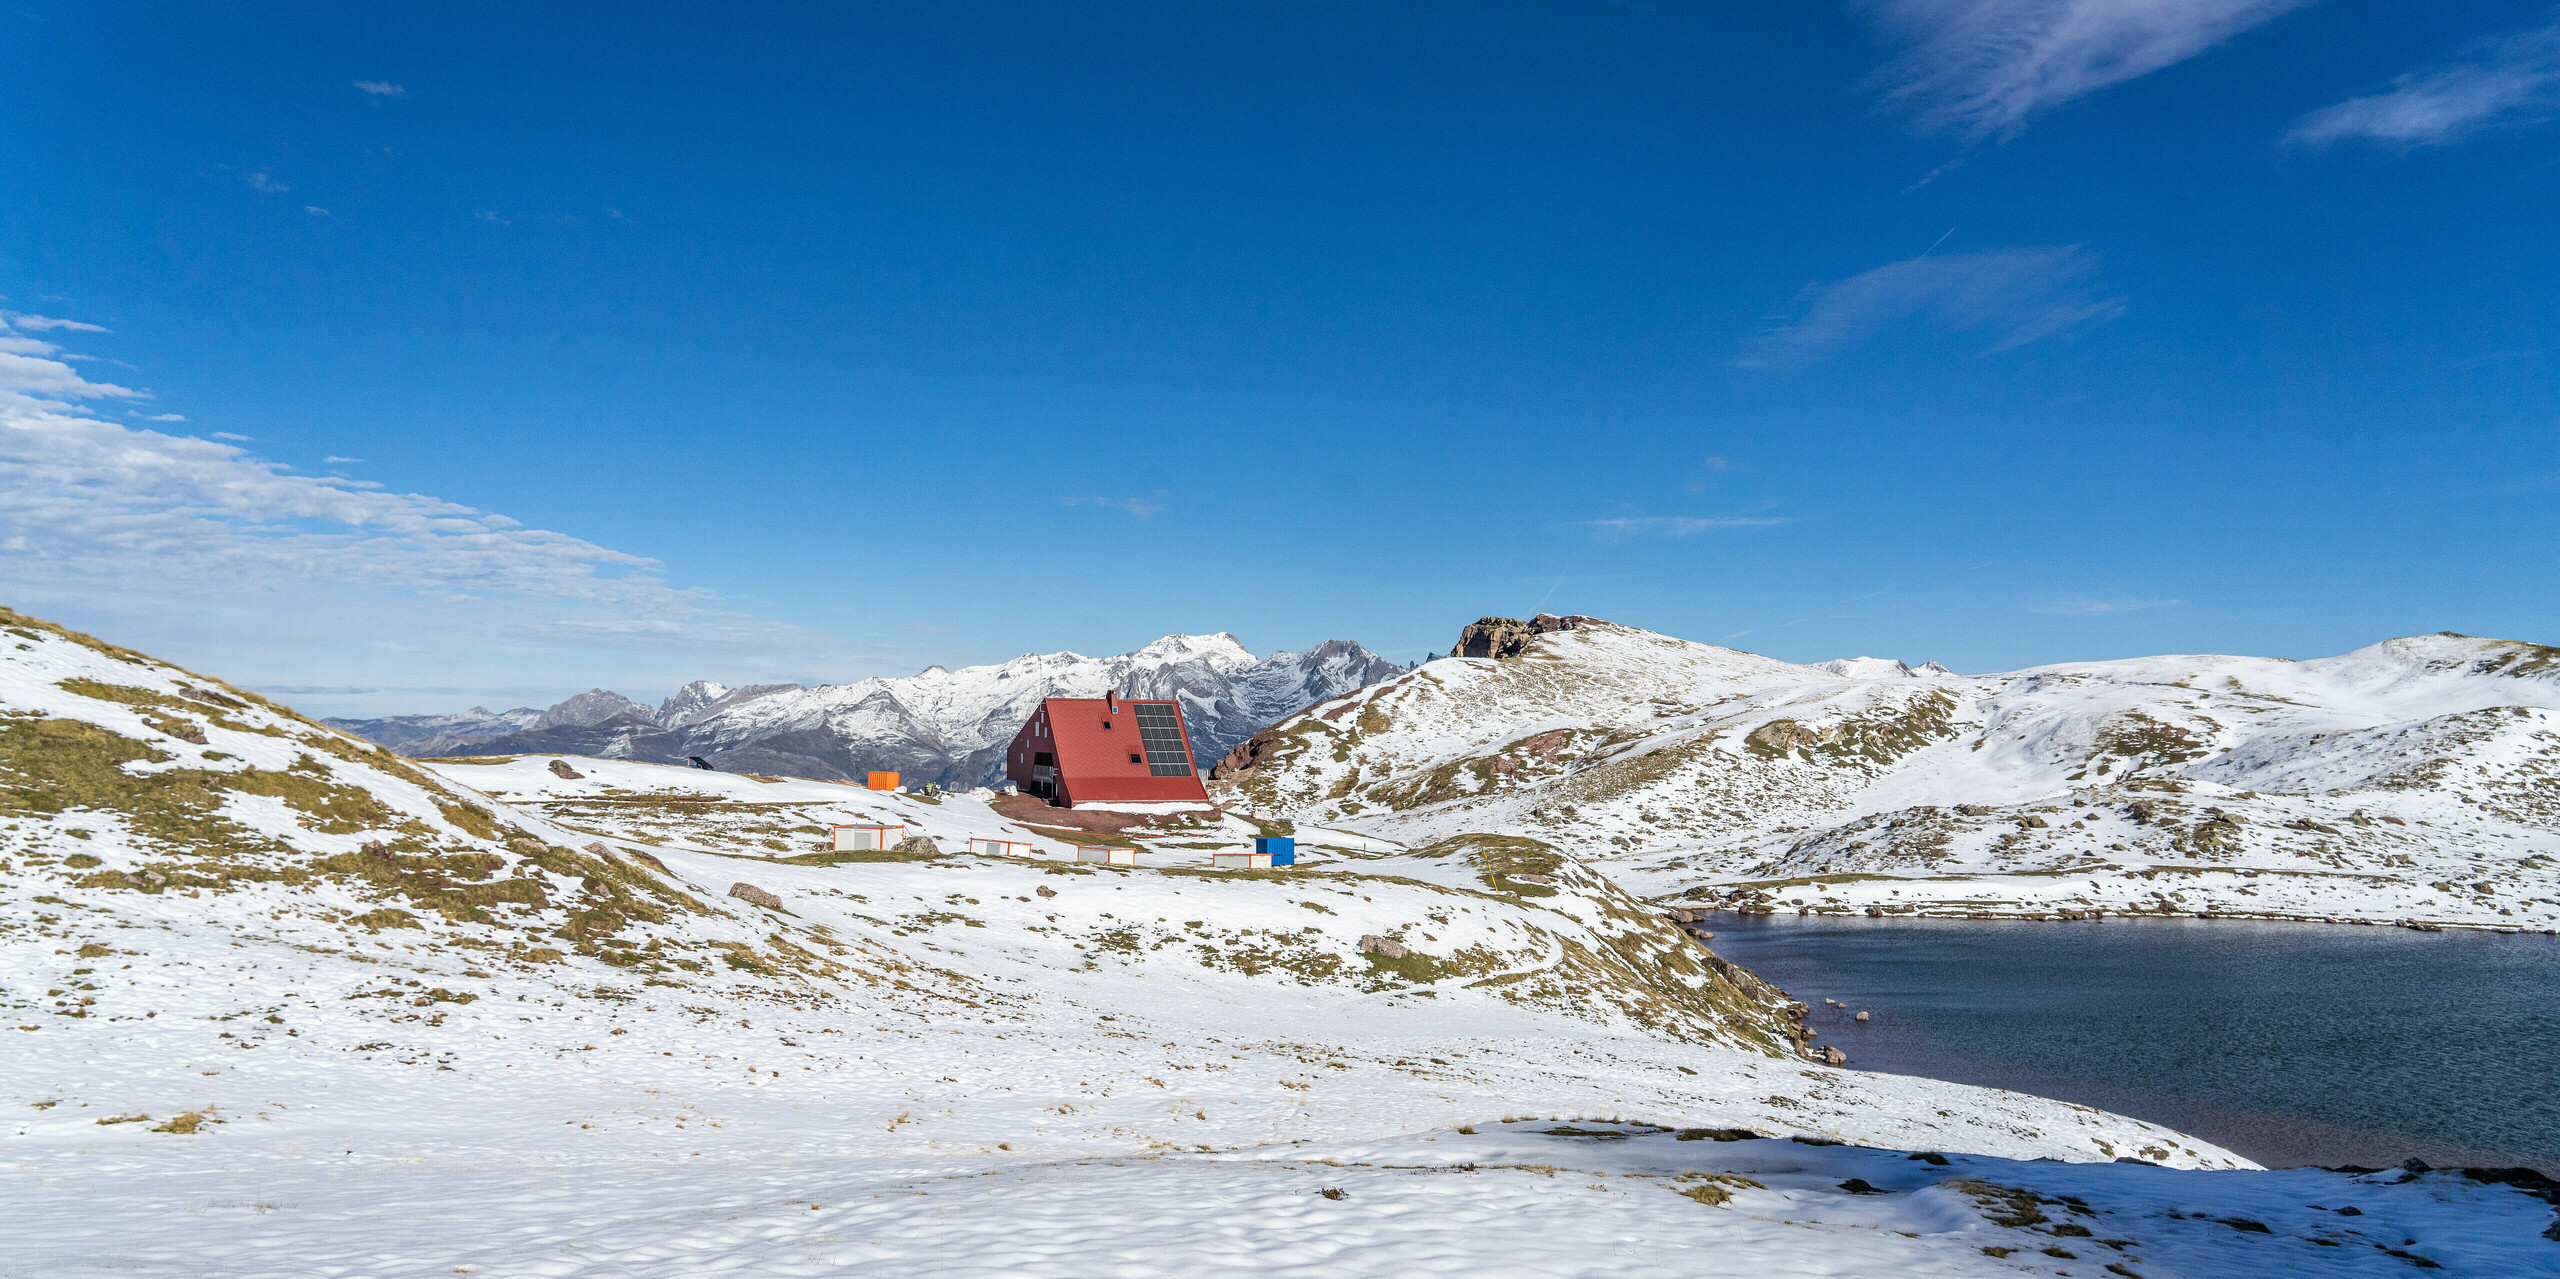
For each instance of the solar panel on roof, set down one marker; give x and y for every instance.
(1160, 733)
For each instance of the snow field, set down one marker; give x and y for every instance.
(1536, 1197)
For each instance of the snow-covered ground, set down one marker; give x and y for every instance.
(280, 1003)
(1531, 1198)
(2416, 780)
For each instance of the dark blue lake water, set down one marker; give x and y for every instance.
(2289, 1043)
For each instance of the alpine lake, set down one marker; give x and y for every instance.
(2289, 1043)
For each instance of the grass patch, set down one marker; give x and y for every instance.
(858, 855)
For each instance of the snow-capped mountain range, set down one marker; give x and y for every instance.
(947, 726)
(2416, 779)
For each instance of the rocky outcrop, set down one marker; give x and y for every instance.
(747, 892)
(1245, 757)
(1500, 637)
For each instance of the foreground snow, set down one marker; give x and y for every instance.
(1532, 1198)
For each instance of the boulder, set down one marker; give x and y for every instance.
(1862, 1016)
(919, 845)
(1382, 947)
(1046, 891)
(560, 768)
(1834, 1057)
(747, 892)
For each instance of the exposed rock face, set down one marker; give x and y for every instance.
(1245, 756)
(1499, 637)
(594, 706)
(747, 892)
(1382, 947)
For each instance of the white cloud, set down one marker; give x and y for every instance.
(226, 435)
(43, 323)
(158, 417)
(2016, 296)
(1676, 525)
(315, 210)
(264, 181)
(333, 460)
(2511, 81)
(1137, 506)
(199, 534)
(491, 216)
(1981, 68)
(381, 89)
(2094, 608)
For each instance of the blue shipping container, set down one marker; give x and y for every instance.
(1283, 850)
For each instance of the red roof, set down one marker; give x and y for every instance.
(1094, 739)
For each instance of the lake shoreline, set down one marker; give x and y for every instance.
(2294, 1047)
(2100, 915)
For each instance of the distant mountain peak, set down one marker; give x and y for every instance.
(1882, 668)
(594, 706)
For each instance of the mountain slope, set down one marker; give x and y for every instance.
(941, 725)
(2411, 780)
(286, 1003)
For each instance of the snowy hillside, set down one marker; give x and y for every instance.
(941, 725)
(2418, 779)
(287, 1004)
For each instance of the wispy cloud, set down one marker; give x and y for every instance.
(1630, 526)
(381, 89)
(315, 210)
(2512, 81)
(2094, 608)
(158, 417)
(114, 517)
(261, 180)
(2016, 296)
(1981, 68)
(1142, 507)
(333, 460)
(44, 323)
(237, 439)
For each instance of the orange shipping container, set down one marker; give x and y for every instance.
(884, 781)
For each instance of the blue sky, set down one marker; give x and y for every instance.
(466, 353)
